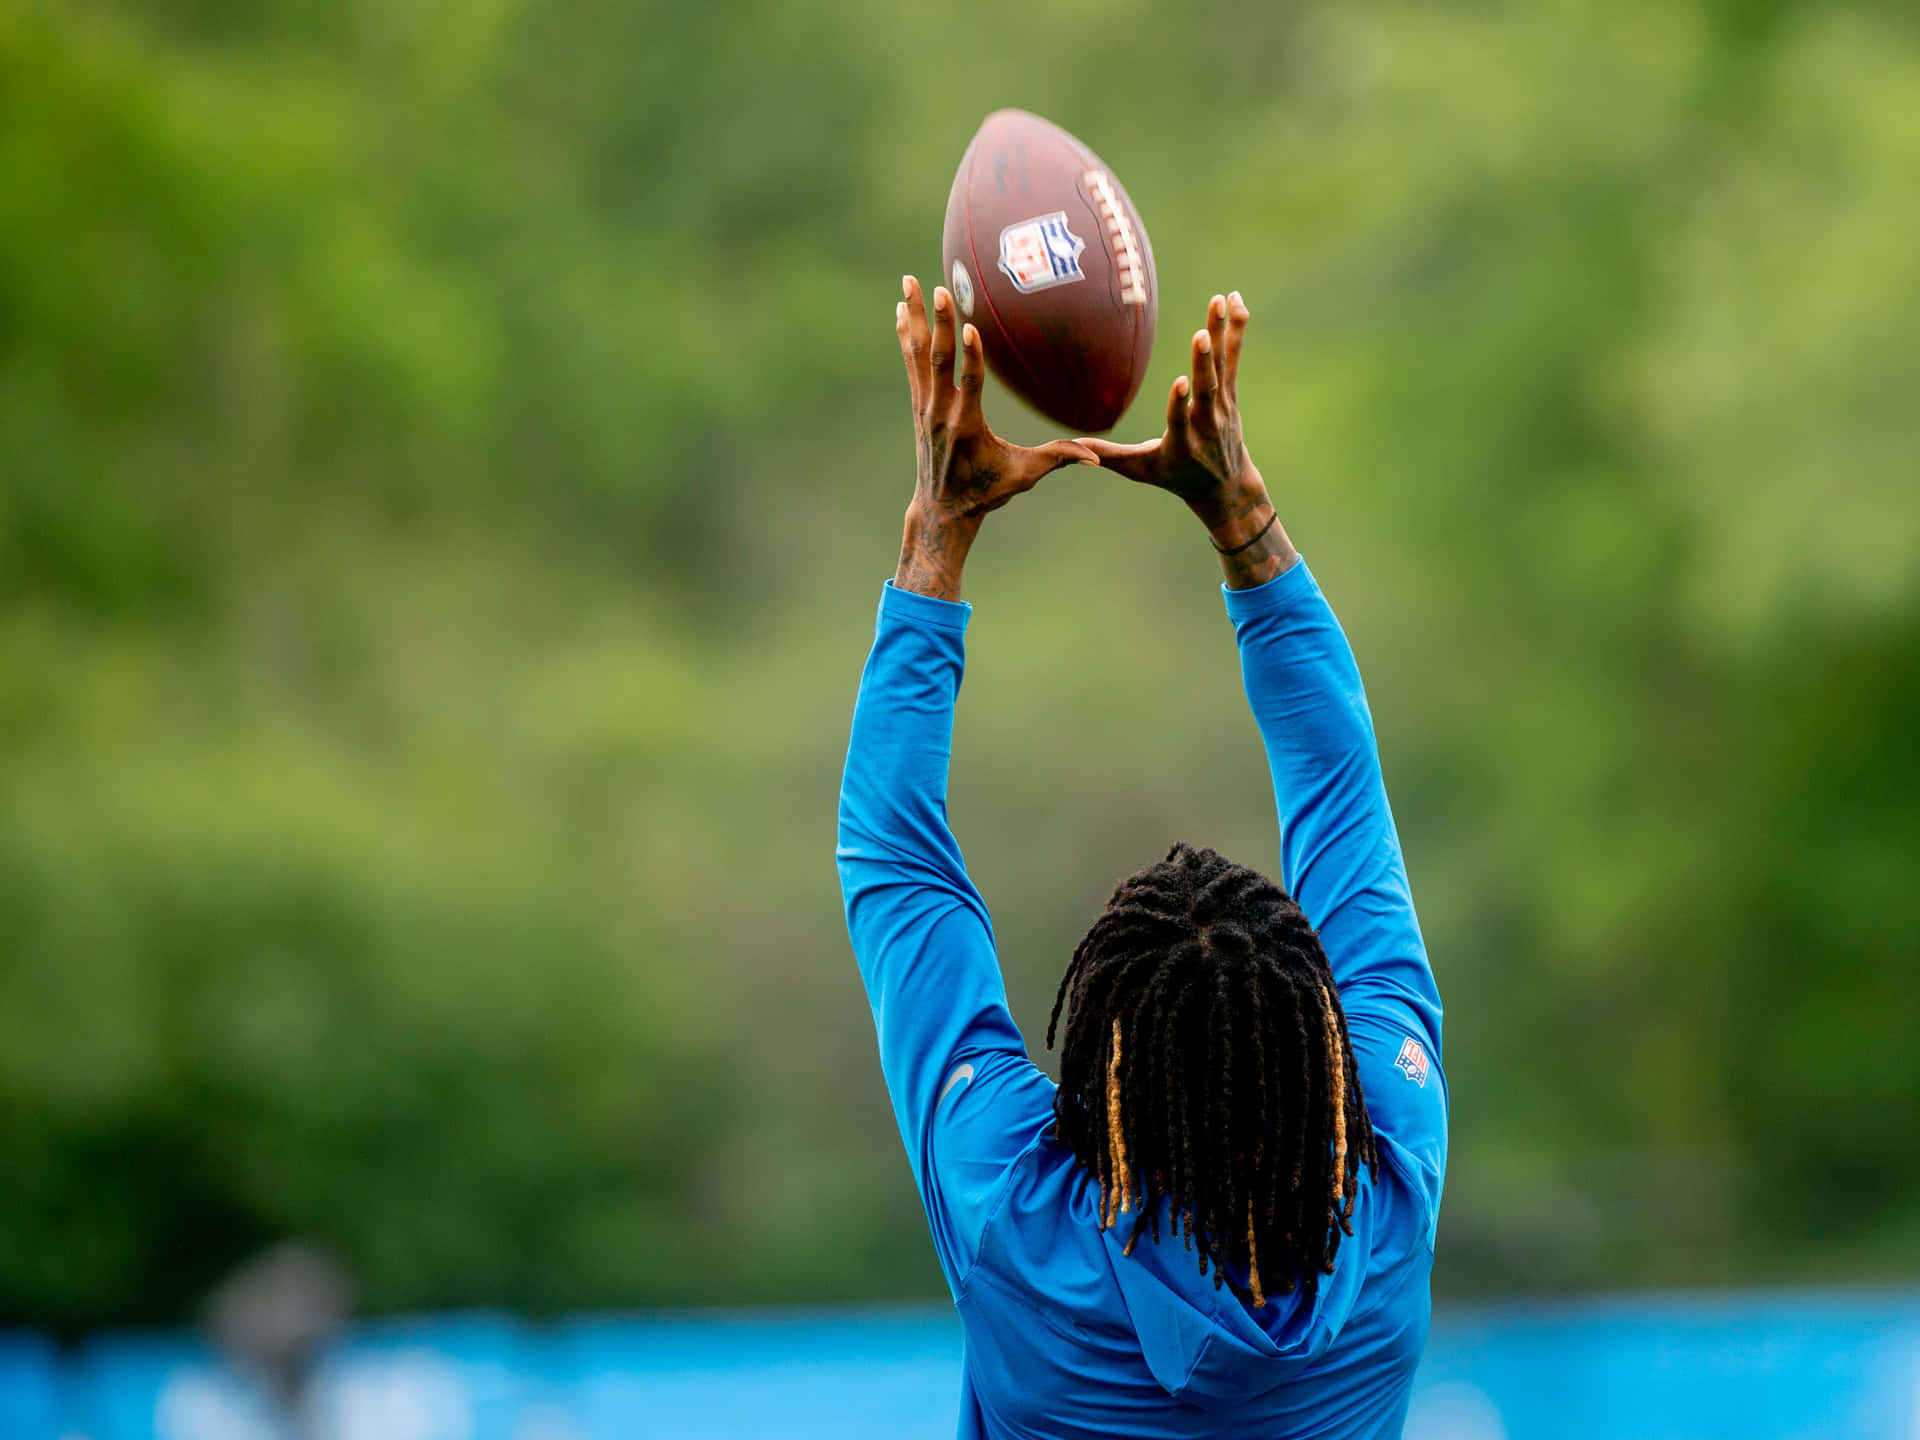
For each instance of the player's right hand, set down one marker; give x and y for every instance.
(964, 469)
(1201, 457)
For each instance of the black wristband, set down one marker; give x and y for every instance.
(1238, 548)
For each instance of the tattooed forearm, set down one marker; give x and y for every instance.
(1253, 543)
(933, 553)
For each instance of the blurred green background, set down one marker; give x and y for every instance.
(448, 456)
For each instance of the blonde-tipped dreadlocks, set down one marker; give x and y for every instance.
(1206, 1063)
(1115, 1184)
(1337, 1062)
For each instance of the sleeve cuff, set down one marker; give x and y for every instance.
(1286, 591)
(917, 609)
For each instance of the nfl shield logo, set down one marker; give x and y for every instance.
(1041, 252)
(1412, 1062)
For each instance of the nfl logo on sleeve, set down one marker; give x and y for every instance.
(1412, 1061)
(1041, 252)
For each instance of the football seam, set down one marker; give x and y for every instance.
(1134, 313)
(1121, 243)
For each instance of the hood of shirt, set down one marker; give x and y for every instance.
(1207, 1346)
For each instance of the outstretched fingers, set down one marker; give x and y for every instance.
(903, 332)
(1237, 316)
(1206, 373)
(940, 358)
(910, 324)
(1177, 410)
(1217, 332)
(1045, 459)
(1136, 462)
(973, 374)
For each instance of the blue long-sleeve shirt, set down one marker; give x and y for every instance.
(1065, 1336)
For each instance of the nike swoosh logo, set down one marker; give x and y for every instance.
(960, 1072)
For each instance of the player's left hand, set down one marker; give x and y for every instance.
(1201, 456)
(964, 469)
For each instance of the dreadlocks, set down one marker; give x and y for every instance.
(1207, 1063)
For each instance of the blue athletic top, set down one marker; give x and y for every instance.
(1065, 1336)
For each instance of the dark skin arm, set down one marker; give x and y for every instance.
(963, 470)
(1202, 458)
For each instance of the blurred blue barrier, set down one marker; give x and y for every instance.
(1763, 1366)
(163, 1387)
(1758, 1366)
(892, 1372)
(29, 1386)
(460, 1377)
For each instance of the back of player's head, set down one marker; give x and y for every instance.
(1206, 1063)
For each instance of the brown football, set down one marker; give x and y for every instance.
(1046, 255)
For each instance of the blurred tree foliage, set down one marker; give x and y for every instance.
(448, 454)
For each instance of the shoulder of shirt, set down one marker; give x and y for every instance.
(991, 1068)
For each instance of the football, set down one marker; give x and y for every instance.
(1046, 255)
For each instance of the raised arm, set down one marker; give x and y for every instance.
(1340, 855)
(920, 930)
